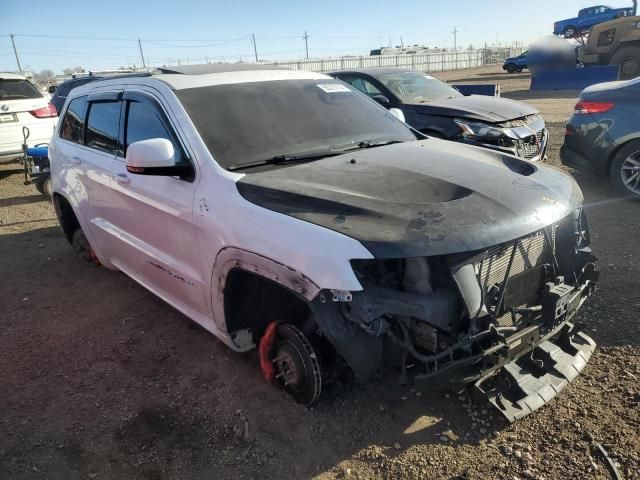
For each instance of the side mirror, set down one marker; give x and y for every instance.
(52, 89)
(156, 156)
(399, 114)
(382, 100)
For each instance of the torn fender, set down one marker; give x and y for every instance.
(361, 350)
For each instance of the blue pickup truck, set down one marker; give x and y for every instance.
(587, 18)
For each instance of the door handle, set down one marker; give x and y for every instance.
(122, 178)
(75, 160)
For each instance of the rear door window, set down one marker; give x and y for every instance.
(17, 89)
(361, 84)
(103, 123)
(64, 91)
(72, 128)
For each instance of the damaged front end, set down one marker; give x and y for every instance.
(500, 318)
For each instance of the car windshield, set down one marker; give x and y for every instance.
(245, 124)
(417, 87)
(17, 89)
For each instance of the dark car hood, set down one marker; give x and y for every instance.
(421, 198)
(477, 107)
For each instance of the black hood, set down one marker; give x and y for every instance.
(477, 107)
(421, 198)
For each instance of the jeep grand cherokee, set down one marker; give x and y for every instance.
(287, 211)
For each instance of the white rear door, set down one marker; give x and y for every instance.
(89, 143)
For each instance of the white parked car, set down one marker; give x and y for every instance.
(22, 105)
(287, 210)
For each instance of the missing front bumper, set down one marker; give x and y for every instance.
(527, 383)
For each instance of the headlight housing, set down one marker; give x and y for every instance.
(480, 130)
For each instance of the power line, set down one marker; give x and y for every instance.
(40, 35)
(156, 43)
(71, 53)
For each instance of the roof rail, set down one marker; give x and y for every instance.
(98, 72)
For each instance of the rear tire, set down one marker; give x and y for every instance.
(46, 187)
(569, 31)
(511, 67)
(39, 186)
(628, 60)
(519, 69)
(625, 170)
(81, 246)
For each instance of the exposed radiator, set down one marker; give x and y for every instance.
(532, 251)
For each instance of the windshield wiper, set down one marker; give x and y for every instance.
(369, 144)
(287, 158)
(314, 155)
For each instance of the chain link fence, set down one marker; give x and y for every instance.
(426, 62)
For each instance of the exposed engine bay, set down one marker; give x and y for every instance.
(499, 318)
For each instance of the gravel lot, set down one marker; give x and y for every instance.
(99, 379)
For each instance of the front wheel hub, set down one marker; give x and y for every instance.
(296, 365)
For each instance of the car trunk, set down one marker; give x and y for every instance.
(15, 113)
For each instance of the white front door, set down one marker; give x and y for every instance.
(154, 214)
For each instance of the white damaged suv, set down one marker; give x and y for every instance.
(287, 210)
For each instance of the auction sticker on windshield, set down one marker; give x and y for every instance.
(332, 87)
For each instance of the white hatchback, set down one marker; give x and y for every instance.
(22, 105)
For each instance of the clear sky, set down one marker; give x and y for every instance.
(102, 34)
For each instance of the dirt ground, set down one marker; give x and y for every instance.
(99, 379)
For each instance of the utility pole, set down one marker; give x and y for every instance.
(306, 43)
(455, 44)
(13, 42)
(255, 47)
(144, 65)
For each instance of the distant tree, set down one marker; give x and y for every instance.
(44, 77)
(69, 71)
(470, 47)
